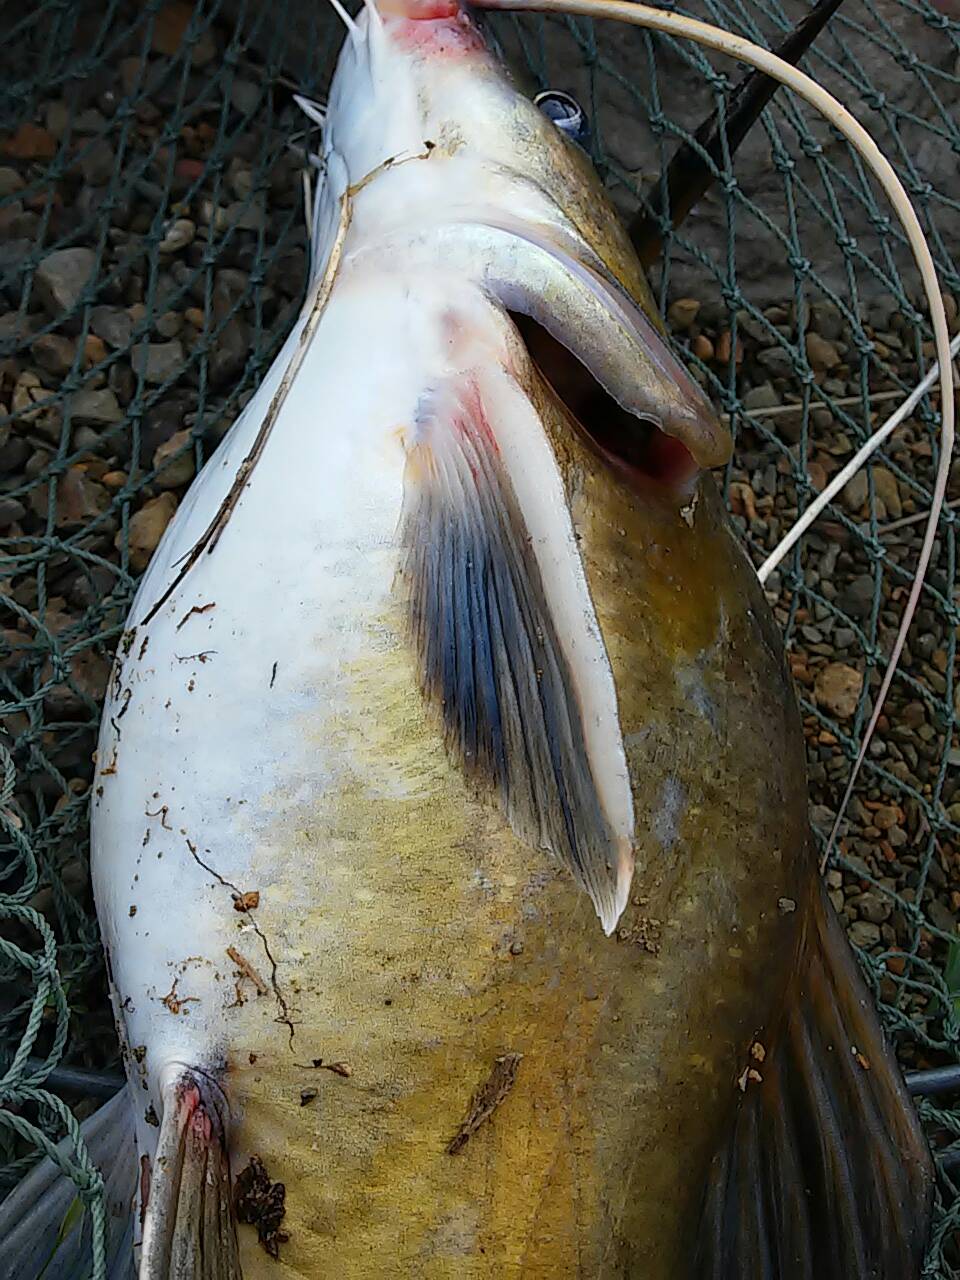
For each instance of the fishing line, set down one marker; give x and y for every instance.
(675, 24)
(870, 445)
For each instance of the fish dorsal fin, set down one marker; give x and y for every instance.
(824, 1173)
(505, 633)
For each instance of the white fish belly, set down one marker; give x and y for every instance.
(205, 722)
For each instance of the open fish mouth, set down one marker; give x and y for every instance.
(637, 447)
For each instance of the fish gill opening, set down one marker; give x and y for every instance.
(636, 447)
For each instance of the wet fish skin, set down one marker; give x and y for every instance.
(407, 923)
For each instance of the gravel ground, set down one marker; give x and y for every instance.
(106, 414)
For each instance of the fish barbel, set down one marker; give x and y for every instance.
(450, 840)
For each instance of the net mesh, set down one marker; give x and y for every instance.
(152, 259)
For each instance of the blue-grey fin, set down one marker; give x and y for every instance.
(46, 1231)
(824, 1173)
(189, 1229)
(487, 647)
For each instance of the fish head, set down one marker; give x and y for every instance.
(447, 161)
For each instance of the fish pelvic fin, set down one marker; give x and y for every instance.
(44, 1225)
(189, 1226)
(824, 1173)
(504, 629)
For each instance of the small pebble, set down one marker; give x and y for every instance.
(62, 276)
(702, 347)
(100, 407)
(10, 512)
(94, 350)
(54, 353)
(178, 236)
(113, 325)
(174, 471)
(30, 142)
(97, 162)
(682, 313)
(888, 490)
(837, 688)
(761, 397)
(777, 361)
(157, 362)
(147, 528)
(864, 934)
(855, 493)
(169, 324)
(10, 181)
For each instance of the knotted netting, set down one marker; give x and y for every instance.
(152, 260)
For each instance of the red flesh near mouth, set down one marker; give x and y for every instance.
(438, 34)
(427, 10)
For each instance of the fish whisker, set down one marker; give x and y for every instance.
(345, 18)
(375, 16)
(312, 109)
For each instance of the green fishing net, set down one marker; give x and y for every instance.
(152, 259)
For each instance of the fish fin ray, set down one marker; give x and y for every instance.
(45, 1231)
(825, 1145)
(488, 650)
(189, 1228)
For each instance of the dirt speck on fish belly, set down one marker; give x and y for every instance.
(485, 1101)
(197, 608)
(246, 968)
(203, 656)
(343, 1069)
(160, 813)
(643, 931)
(261, 1203)
(175, 1003)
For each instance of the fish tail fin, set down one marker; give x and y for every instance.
(45, 1229)
(189, 1228)
(825, 1172)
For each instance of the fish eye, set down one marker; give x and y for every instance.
(565, 112)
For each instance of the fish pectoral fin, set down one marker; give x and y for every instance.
(46, 1227)
(189, 1226)
(504, 630)
(825, 1174)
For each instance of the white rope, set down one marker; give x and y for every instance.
(675, 24)
(842, 477)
